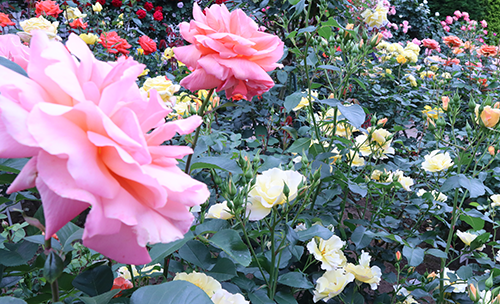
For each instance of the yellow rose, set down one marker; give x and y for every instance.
(268, 191)
(144, 73)
(495, 199)
(410, 46)
(207, 283)
(39, 23)
(412, 80)
(363, 272)
(140, 51)
(432, 112)
(89, 38)
(331, 284)
(219, 211)
(222, 296)
(125, 272)
(435, 161)
(375, 18)
(97, 7)
(405, 181)
(304, 101)
(466, 237)
(401, 59)
(378, 144)
(328, 252)
(73, 13)
(490, 116)
(163, 86)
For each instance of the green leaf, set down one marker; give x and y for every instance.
(295, 279)
(331, 22)
(11, 300)
(308, 29)
(282, 76)
(415, 256)
(13, 66)
(360, 238)
(437, 253)
(174, 292)
(100, 299)
(197, 253)
(53, 267)
(211, 226)
(314, 231)
(13, 165)
(475, 186)
(159, 251)
(95, 281)
(223, 270)
(330, 67)
(476, 223)
(259, 297)
(214, 162)
(17, 254)
(300, 145)
(291, 101)
(230, 242)
(360, 189)
(353, 113)
(285, 298)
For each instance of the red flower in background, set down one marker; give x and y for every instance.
(147, 44)
(158, 16)
(141, 14)
(102, 2)
(220, 1)
(162, 45)
(77, 23)
(159, 8)
(47, 8)
(148, 6)
(121, 283)
(5, 20)
(114, 43)
(116, 3)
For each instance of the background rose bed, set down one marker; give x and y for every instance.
(270, 152)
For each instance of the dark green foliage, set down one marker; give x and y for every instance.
(493, 19)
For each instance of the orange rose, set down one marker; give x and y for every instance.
(5, 20)
(452, 62)
(446, 101)
(47, 8)
(452, 41)
(490, 116)
(487, 50)
(77, 23)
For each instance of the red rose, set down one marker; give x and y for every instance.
(159, 8)
(158, 16)
(116, 3)
(114, 43)
(148, 6)
(47, 8)
(102, 2)
(77, 23)
(141, 14)
(147, 44)
(5, 20)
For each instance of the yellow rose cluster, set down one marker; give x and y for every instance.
(436, 161)
(388, 176)
(403, 55)
(339, 273)
(39, 23)
(212, 288)
(304, 101)
(377, 142)
(327, 120)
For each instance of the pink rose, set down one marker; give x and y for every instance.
(458, 14)
(449, 20)
(12, 49)
(484, 24)
(88, 129)
(227, 52)
(416, 41)
(431, 44)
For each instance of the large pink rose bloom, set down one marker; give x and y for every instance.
(228, 52)
(12, 48)
(86, 126)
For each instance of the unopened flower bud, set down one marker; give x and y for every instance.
(446, 101)
(5, 224)
(473, 293)
(398, 256)
(382, 122)
(441, 122)
(286, 190)
(496, 105)
(489, 282)
(472, 105)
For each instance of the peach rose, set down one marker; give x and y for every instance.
(487, 50)
(96, 141)
(490, 116)
(452, 41)
(227, 52)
